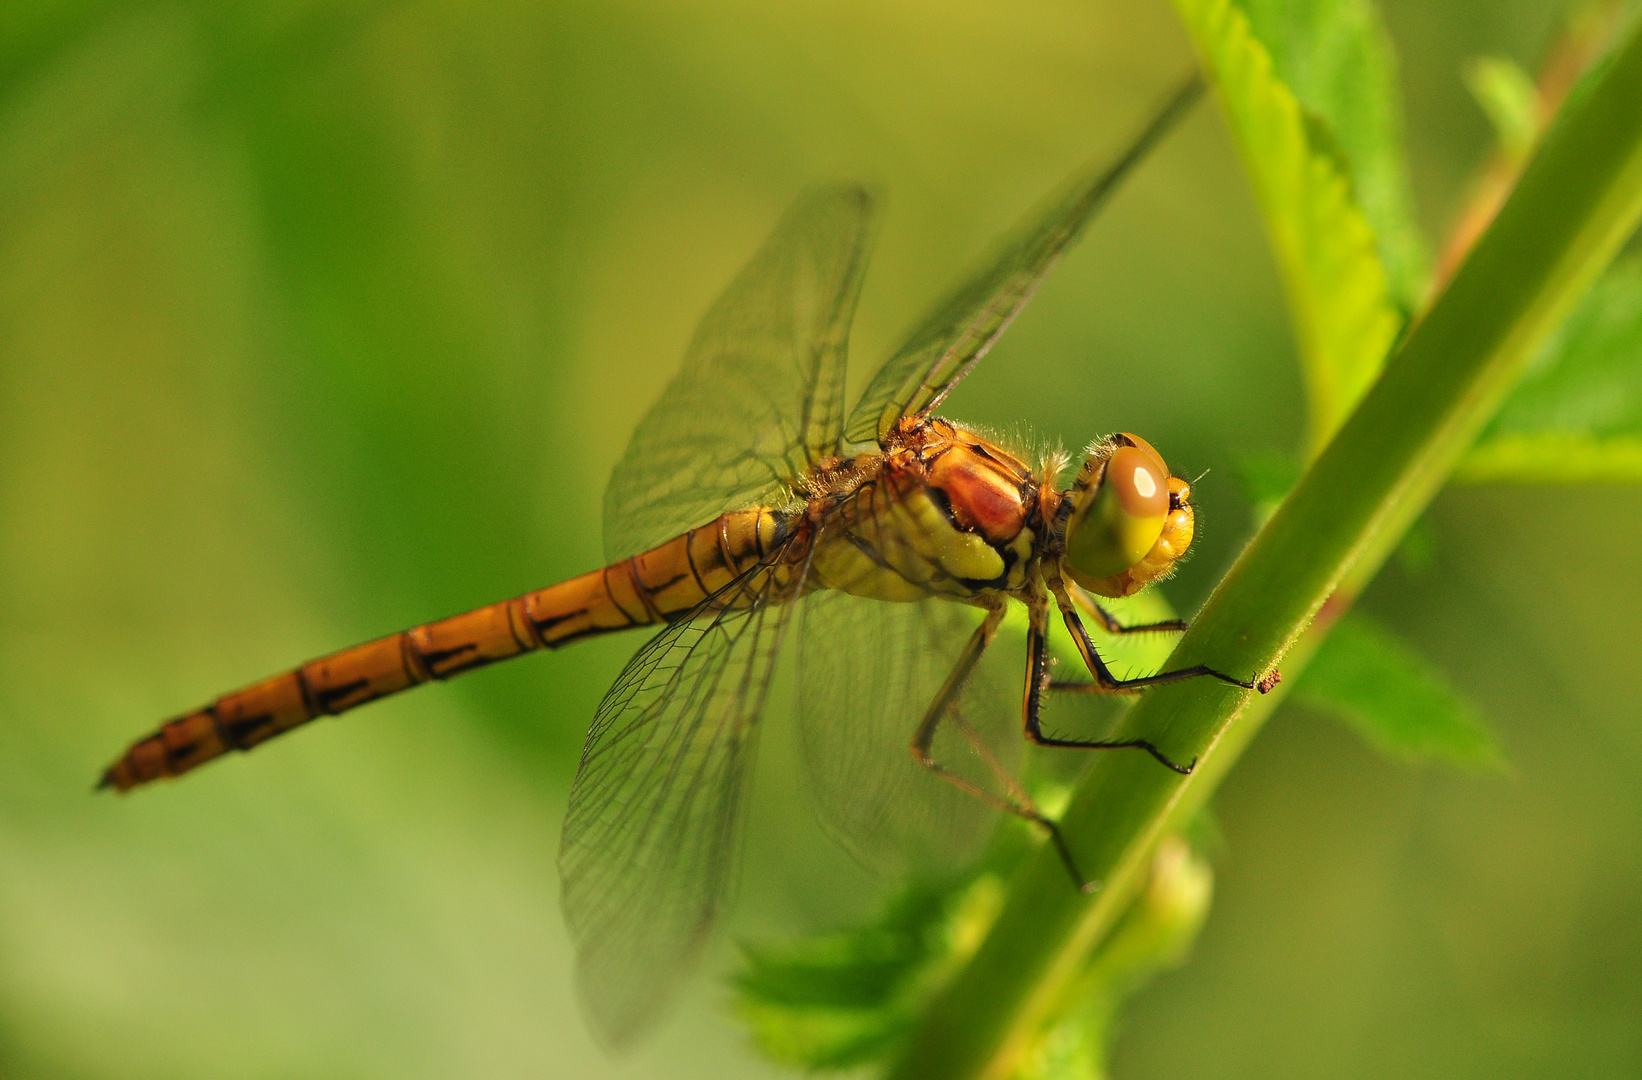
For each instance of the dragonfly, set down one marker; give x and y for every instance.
(748, 499)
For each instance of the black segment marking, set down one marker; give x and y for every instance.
(470, 665)
(690, 561)
(223, 731)
(518, 621)
(590, 631)
(645, 598)
(554, 620)
(246, 729)
(668, 584)
(174, 754)
(309, 705)
(439, 656)
(328, 699)
(724, 544)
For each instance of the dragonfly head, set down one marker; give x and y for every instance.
(1130, 519)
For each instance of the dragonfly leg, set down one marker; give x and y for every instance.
(1107, 683)
(1016, 800)
(1037, 680)
(1109, 622)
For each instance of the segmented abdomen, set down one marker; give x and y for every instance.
(652, 587)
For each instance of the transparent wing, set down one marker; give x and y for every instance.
(650, 839)
(759, 396)
(868, 672)
(955, 336)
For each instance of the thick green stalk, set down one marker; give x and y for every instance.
(1576, 203)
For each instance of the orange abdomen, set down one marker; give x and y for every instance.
(652, 587)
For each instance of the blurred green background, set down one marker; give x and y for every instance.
(322, 319)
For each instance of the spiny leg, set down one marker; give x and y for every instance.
(1037, 681)
(1105, 682)
(1018, 801)
(1109, 622)
(1111, 684)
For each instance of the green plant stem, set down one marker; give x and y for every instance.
(1576, 203)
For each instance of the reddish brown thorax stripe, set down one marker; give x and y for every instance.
(986, 494)
(652, 587)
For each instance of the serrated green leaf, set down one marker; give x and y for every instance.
(841, 999)
(1337, 58)
(818, 1038)
(1576, 416)
(1338, 294)
(1369, 677)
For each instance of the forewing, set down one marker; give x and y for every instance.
(955, 336)
(868, 672)
(650, 839)
(760, 395)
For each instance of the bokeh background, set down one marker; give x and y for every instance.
(320, 319)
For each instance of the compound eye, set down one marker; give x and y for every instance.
(1131, 439)
(1142, 488)
(1119, 526)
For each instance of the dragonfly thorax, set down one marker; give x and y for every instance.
(942, 511)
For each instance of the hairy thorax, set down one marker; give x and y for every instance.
(943, 511)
